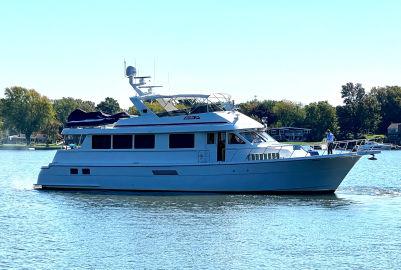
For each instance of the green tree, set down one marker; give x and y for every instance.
(360, 113)
(1, 122)
(26, 110)
(389, 98)
(352, 94)
(51, 128)
(260, 110)
(289, 113)
(109, 106)
(154, 106)
(319, 117)
(132, 111)
(66, 105)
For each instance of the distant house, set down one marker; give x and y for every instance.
(39, 138)
(16, 139)
(21, 139)
(394, 133)
(292, 134)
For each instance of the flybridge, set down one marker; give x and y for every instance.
(173, 105)
(185, 112)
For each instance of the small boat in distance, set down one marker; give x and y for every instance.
(372, 145)
(199, 143)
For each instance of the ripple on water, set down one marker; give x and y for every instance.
(371, 191)
(358, 227)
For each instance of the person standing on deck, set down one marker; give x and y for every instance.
(330, 142)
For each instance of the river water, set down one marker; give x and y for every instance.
(358, 227)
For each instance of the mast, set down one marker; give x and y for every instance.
(138, 82)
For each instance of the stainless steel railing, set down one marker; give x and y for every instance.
(339, 147)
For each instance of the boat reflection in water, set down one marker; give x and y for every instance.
(194, 202)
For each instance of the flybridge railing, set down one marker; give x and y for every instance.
(360, 146)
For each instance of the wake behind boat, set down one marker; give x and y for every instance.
(200, 143)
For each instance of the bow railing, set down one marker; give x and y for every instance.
(359, 146)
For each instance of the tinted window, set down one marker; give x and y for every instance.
(122, 141)
(144, 141)
(182, 140)
(253, 137)
(101, 141)
(234, 139)
(210, 138)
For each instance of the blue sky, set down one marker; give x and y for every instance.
(297, 50)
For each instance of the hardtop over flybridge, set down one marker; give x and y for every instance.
(198, 143)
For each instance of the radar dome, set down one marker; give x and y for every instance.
(130, 71)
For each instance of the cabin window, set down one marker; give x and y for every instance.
(74, 140)
(122, 141)
(210, 138)
(234, 139)
(182, 140)
(144, 141)
(101, 141)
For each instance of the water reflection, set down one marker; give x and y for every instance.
(194, 202)
(371, 190)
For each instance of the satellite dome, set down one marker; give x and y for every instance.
(130, 71)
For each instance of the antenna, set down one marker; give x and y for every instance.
(154, 69)
(125, 66)
(168, 80)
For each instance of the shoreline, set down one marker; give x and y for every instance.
(19, 147)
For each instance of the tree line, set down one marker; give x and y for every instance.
(26, 111)
(362, 112)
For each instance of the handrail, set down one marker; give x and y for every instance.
(343, 146)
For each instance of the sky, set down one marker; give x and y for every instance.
(296, 50)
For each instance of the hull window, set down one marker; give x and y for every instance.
(86, 171)
(122, 141)
(101, 141)
(73, 171)
(182, 140)
(144, 141)
(165, 172)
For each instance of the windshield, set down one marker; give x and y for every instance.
(267, 136)
(187, 106)
(253, 137)
(257, 136)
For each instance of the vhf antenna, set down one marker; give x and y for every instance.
(125, 68)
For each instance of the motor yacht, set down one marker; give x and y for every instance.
(369, 145)
(194, 143)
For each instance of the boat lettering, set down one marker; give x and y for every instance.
(192, 117)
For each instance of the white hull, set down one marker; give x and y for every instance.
(309, 174)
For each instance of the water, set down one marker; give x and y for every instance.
(359, 227)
